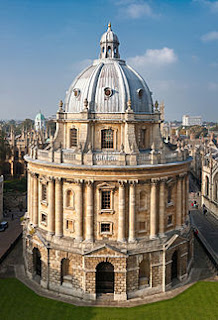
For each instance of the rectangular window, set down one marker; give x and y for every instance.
(105, 227)
(44, 218)
(142, 225)
(73, 137)
(106, 200)
(107, 139)
(169, 220)
(69, 225)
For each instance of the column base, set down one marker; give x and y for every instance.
(153, 237)
(162, 235)
(88, 240)
(122, 240)
(132, 240)
(79, 239)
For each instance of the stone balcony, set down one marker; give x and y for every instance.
(107, 158)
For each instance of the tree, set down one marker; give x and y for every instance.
(5, 150)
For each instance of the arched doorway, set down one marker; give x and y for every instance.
(37, 264)
(174, 265)
(65, 263)
(104, 278)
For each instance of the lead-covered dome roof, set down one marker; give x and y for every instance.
(109, 83)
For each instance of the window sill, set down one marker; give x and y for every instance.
(170, 225)
(107, 211)
(44, 223)
(69, 208)
(169, 204)
(106, 233)
(142, 231)
(44, 203)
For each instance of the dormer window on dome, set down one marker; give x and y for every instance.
(108, 92)
(109, 44)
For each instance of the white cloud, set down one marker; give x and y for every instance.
(154, 57)
(212, 5)
(213, 86)
(136, 9)
(210, 36)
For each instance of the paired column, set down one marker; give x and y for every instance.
(162, 207)
(179, 203)
(153, 210)
(35, 200)
(132, 203)
(79, 212)
(51, 206)
(121, 220)
(58, 208)
(89, 212)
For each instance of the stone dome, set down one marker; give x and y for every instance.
(109, 83)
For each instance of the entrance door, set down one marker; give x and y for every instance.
(37, 261)
(174, 266)
(104, 278)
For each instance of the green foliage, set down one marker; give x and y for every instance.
(5, 150)
(200, 302)
(15, 185)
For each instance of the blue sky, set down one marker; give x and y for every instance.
(46, 43)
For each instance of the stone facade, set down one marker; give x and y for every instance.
(1, 196)
(107, 199)
(209, 185)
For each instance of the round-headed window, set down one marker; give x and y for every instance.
(108, 92)
(76, 92)
(140, 93)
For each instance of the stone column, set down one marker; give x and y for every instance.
(179, 203)
(162, 207)
(153, 209)
(58, 207)
(35, 200)
(187, 193)
(121, 219)
(29, 195)
(132, 211)
(183, 199)
(79, 211)
(89, 212)
(51, 206)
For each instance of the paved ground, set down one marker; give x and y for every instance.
(207, 226)
(14, 229)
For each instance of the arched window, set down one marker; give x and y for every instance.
(215, 188)
(65, 270)
(142, 201)
(174, 267)
(144, 273)
(44, 192)
(107, 139)
(73, 137)
(37, 265)
(207, 186)
(70, 199)
(169, 195)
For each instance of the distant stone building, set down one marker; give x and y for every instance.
(1, 196)
(107, 198)
(191, 120)
(210, 177)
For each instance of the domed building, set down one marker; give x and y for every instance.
(108, 199)
(39, 123)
